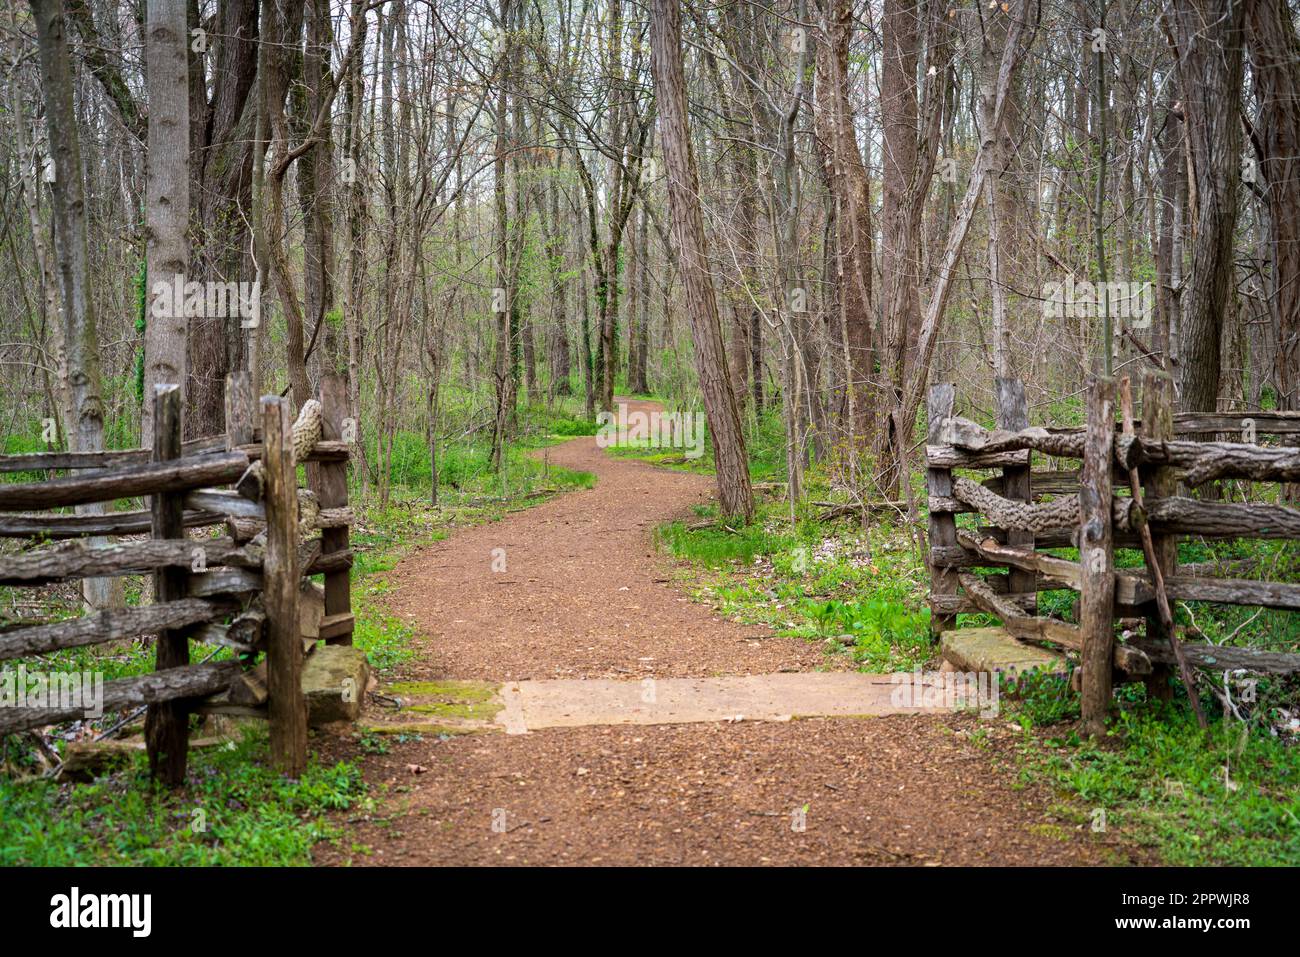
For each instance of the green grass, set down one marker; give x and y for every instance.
(465, 460)
(673, 458)
(1226, 796)
(719, 546)
(1223, 797)
(862, 590)
(235, 810)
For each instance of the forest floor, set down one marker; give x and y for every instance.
(574, 588)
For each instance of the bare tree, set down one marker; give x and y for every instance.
(1207, 35)
(167, 249)
(84, 386)
(851, 192)
(1275, 68)
(734, 490)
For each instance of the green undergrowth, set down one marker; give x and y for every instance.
(861, 592)
(1229, 795)
(234, 810)
(465, 457)
(1226, 796)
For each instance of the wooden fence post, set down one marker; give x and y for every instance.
(286, 708)
(1096, 555)
(1158, 425)
(1013, 415)
(332, 491)
(166, 724)
(938, 484)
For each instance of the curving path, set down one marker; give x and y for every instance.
(584, 595)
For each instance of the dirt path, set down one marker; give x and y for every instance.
(584, 595)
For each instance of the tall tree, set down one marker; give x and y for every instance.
(167, 205)
(1002, 206)
(851, 193)
(1169, 242)
(503, 295)
(1207, 36)
(734, 490)
(1275, 68)
(222, 53)
(84, 387)
(911, 115)
(223, 128)
(316, 175)
(909, 400)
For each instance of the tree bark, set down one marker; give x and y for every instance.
(223, 129)
(732, 465)
(1207, 37)
(911, 149)
(167, 252)
(503, 295)
(84, 387)
(1275, 69)
(847, 177)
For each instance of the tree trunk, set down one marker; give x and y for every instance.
(1275, 68)
(906, 184)
(316, 176)
(1208, 38)
(637, 375)
(851, 191)
(502, 294)
(283, 28)
(1173, 197)
(222, 134)
(1000, 204)
(167, 252)
(356, 218)
(84, 387)
(734, 490)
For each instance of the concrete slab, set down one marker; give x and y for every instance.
(529, 705)
(994, 650)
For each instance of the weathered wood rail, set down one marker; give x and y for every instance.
(244, 585)
(1125, 495)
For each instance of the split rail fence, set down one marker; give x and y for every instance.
(1132, 490)
(247, 588)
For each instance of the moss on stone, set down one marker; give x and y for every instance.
(455, 709)
(428, 727)
(464, 692)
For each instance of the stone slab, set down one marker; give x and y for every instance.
(334, 679)
(529, 705)
(993, 649)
